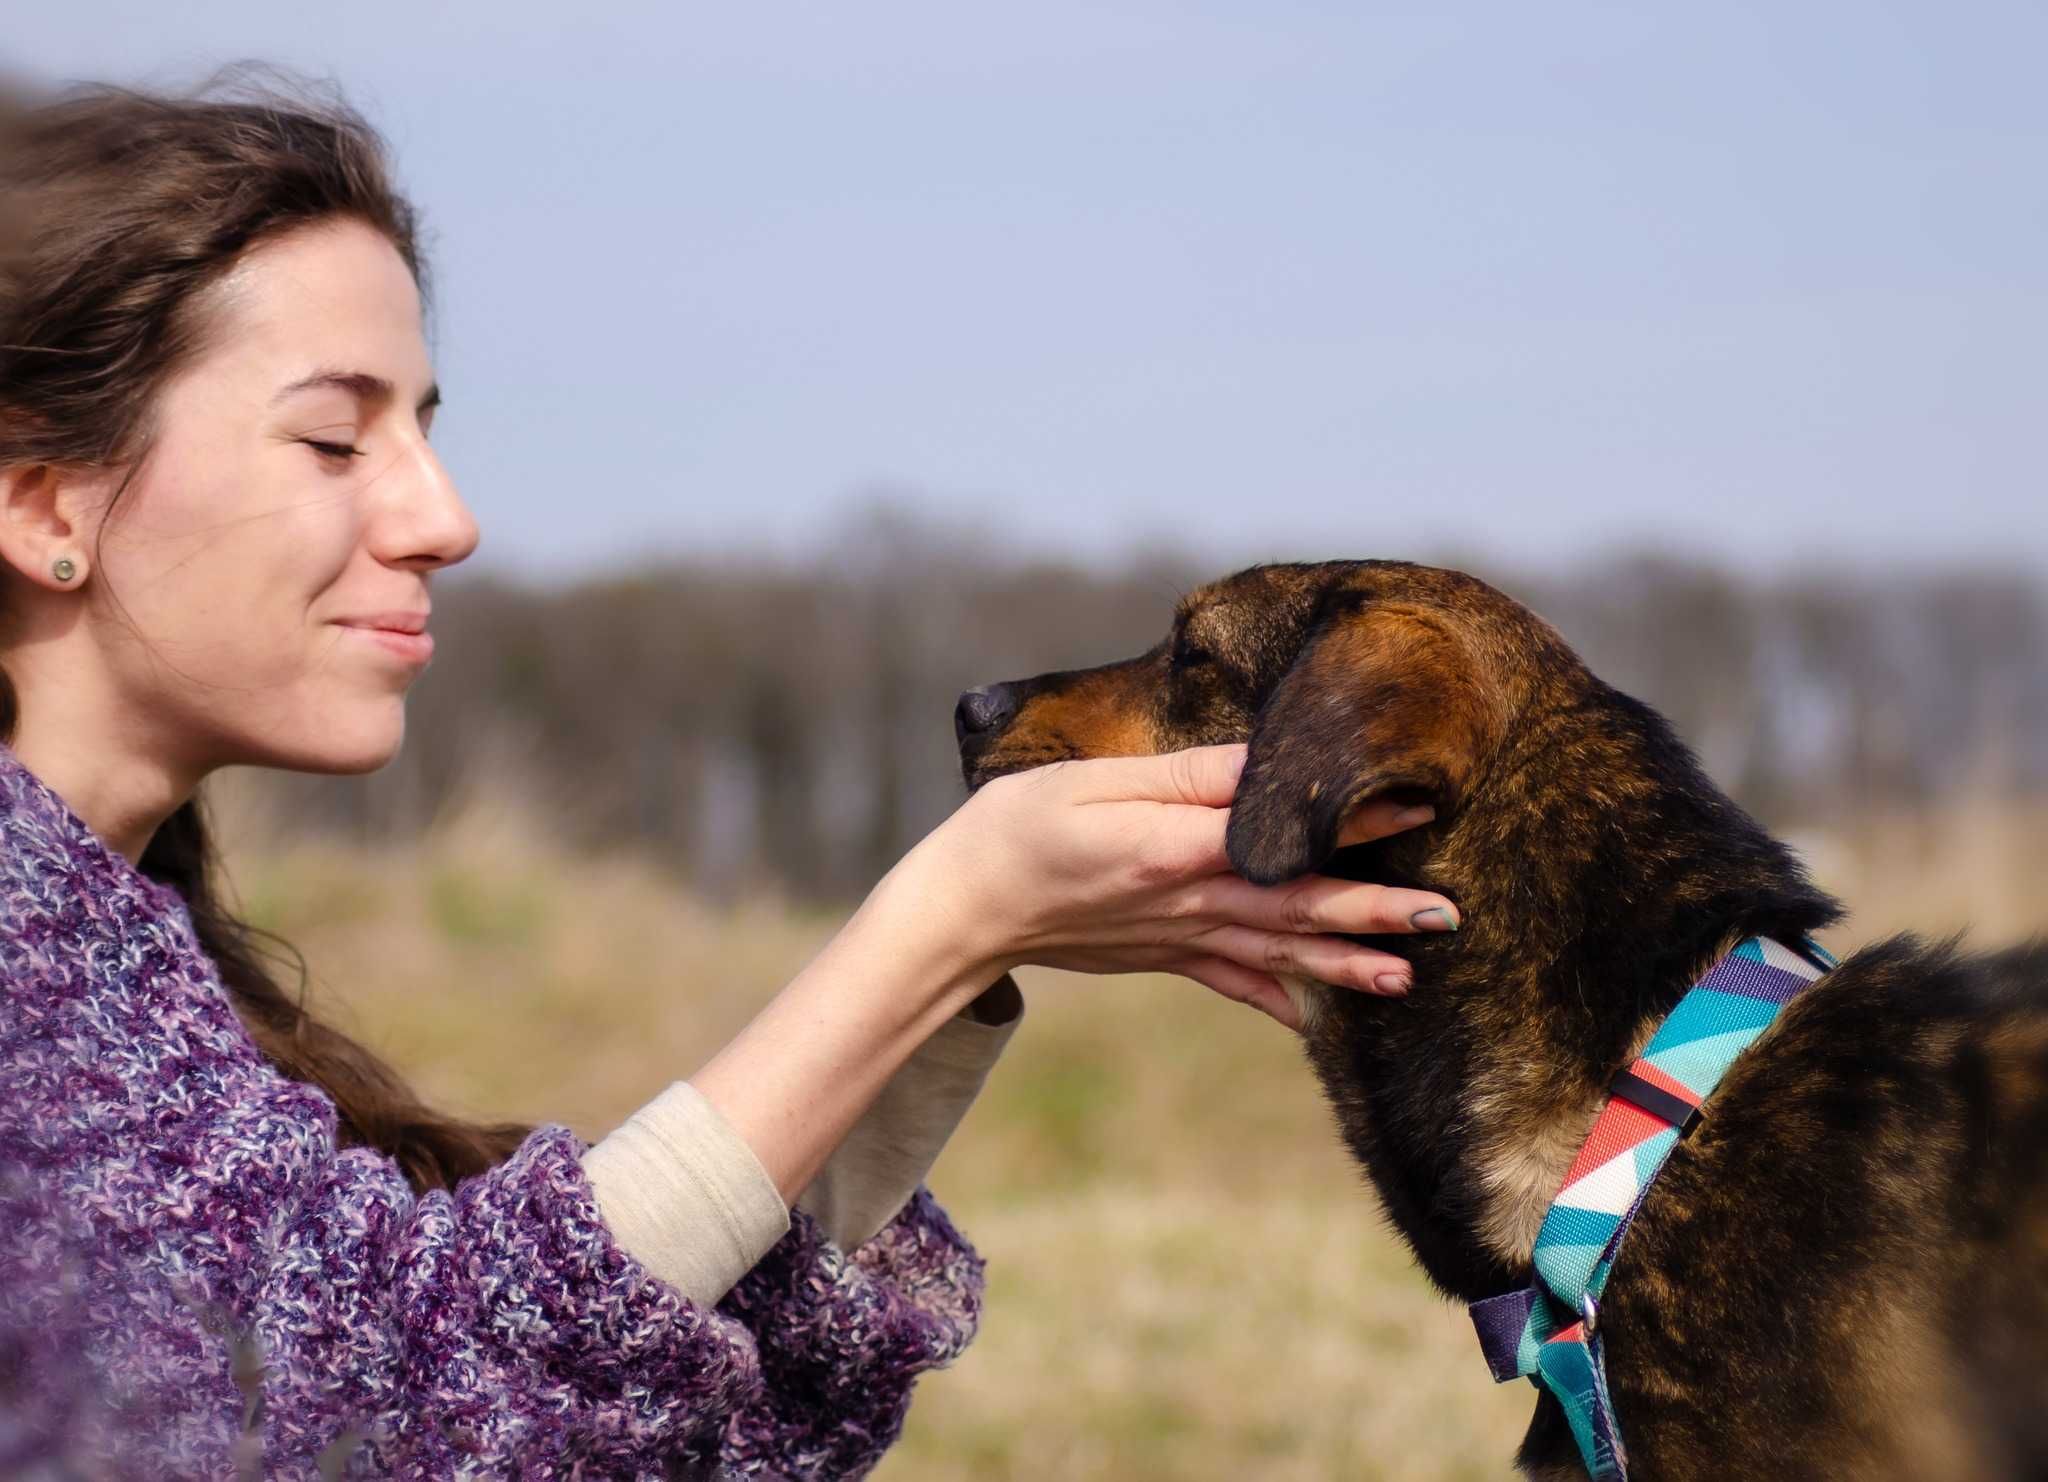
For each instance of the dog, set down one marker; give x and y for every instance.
(1842, 1272)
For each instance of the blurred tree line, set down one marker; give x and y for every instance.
(788, 727)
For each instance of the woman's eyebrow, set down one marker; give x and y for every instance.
(360, 384)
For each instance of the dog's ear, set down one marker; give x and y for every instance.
(1378, 698)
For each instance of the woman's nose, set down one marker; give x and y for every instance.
(430, 524)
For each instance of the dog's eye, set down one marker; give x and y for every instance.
(1191, 655)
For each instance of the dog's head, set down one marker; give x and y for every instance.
(1596, 869)
(1351, 680)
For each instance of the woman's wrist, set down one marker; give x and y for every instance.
(797, 1078)
(931, 898)
(962, 973)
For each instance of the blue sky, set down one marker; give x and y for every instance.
(1762, 284)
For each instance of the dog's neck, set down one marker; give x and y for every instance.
(1468, 1100)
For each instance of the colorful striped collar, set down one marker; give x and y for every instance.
(1550, 1331)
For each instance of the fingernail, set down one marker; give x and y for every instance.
(1391, 983)
(1420, 813)
(1436, 918)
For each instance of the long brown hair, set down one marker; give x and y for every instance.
(117, 210)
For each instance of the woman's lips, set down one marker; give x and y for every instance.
(414, 648)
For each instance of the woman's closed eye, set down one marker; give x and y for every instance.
(332, 450)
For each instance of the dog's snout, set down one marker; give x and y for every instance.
(984, 710)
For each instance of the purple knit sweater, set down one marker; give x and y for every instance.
(173, 1211)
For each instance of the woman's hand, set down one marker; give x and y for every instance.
(1117, 865)
(1109, 866)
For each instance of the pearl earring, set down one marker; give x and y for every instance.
(64, 570)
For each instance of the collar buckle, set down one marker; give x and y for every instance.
(1658, 1102)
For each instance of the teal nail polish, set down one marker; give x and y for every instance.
(1436, 918)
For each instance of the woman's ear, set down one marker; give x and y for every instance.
(43, 512)
(1379, 697)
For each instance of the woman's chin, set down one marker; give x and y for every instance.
(347, 750)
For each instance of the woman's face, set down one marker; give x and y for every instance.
(287, 517)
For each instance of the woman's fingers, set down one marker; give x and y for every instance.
(1187, 844)
(1326, 959)
(1201, 776)
(1206, 777)
(1320, 903)
(1189, 841)
(1244, 985)
(1198, 785)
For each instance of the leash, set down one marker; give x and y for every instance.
(1550, 1331)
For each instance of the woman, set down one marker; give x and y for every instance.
(230, 1236)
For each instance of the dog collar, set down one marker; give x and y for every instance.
(1550, 1331)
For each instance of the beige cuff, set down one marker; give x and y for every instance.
(893, 1146)
(685, 1195)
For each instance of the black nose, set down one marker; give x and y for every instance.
(983, 710)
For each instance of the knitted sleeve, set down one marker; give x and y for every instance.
(505, 1325)
(234, 1295)
(842, 1336)
(496, 1331)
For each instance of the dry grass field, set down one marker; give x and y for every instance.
(1187, 1278)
